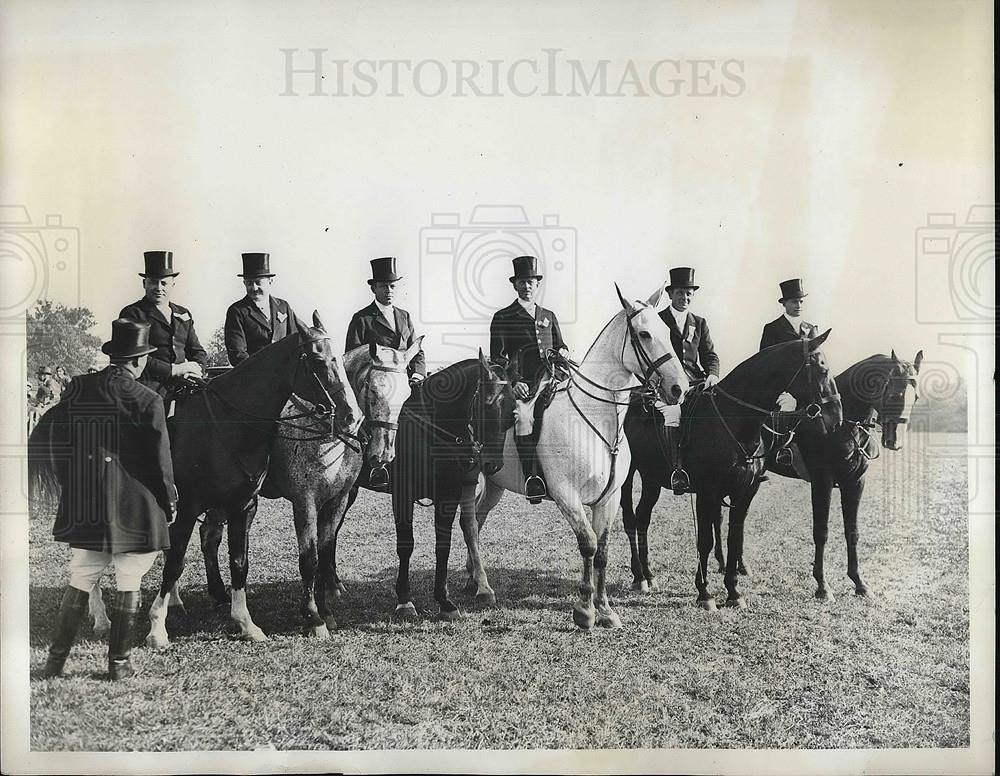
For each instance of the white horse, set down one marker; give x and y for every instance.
(582, 446)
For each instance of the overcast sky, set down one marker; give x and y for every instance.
(752, 141)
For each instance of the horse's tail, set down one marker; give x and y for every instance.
(43, 478)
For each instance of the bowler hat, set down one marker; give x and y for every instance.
(682, 277)
(792, 289)
(129, 339)
(159, 264)
(384, 270)
(525, 268)
(43, 370)
(256, 265)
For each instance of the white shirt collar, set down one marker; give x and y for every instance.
(528, 306)
(796, 322)
(264, 306)
(680, 316)
(387, 311)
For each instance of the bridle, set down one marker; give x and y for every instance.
(876, 418)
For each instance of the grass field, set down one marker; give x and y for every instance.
(788, 672)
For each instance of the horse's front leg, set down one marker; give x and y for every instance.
(602, 517)
(734, 546)
(584, 613)
(402, 510)
(478, 584)
(850, 501)
(822, 488)
(336, 585)
(445, 507)
(329, 520)
(708, 510)
(173, 567)
(305, 518)
(631, 529)
(210, 532)
(95, 604)
(240, 521)
(644, 513)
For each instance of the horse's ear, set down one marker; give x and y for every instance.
(484, 364)
(917, 360)
(628, 306)
(654, 300)
(318, 322)
(893, 356)
(413, 349)
(373, 351)
(815, 342)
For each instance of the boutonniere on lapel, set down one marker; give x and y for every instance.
(281, 316)
(544, 323)
(182, 316)
(689, 336)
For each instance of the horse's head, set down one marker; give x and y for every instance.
(324, 381)
(813, 386)
(493, 413)
(647, 352)
(385, 389)
(898, 395)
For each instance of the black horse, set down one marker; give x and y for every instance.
(876, 392)
(221, 439)
(723, 451)
(452, 426)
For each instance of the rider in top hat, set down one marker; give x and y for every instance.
(521, 335)
(106, 444)
(258, 319)
(692, 342)
(382, 323)
(789, 325)
(177, 354)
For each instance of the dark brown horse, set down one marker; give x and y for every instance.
(452, 427)
(221, 441)
(723, 450)
(877, 392)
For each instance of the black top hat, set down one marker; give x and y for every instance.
(525, 268)
(159, 264)
(384, 270)
(129, 339)
(682, 277)
(256, 265)
(43, 370)
(792, 289)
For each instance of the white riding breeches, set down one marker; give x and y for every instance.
(86, 567)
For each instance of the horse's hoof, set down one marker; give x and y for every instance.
(609, 620)
(317, 631)
(486, 599)
(455, 615)
(708, 604)
(863, 592)
(653, 583)
(637, 584)
(331, 622)
(722, 567)
(252, 633)
(742, 570)
(157, 641)
(406, 612)
(584, 618)
(737, 603)
(824, 594)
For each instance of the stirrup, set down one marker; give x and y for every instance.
(378, 477)
(534, 489)
(784, 457)
(680, 483)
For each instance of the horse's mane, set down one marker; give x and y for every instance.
(257, 363)
(749, 371)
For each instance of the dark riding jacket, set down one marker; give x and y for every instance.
(368, 326)
(693, 345)
(780, 330)
(518, 341)
(107, 441)
(247, 330)
(175, 341)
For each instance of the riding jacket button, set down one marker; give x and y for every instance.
(107, 459)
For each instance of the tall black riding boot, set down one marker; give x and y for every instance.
(534, 485)
(680, 483)
(71, 611)
(126, 607)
